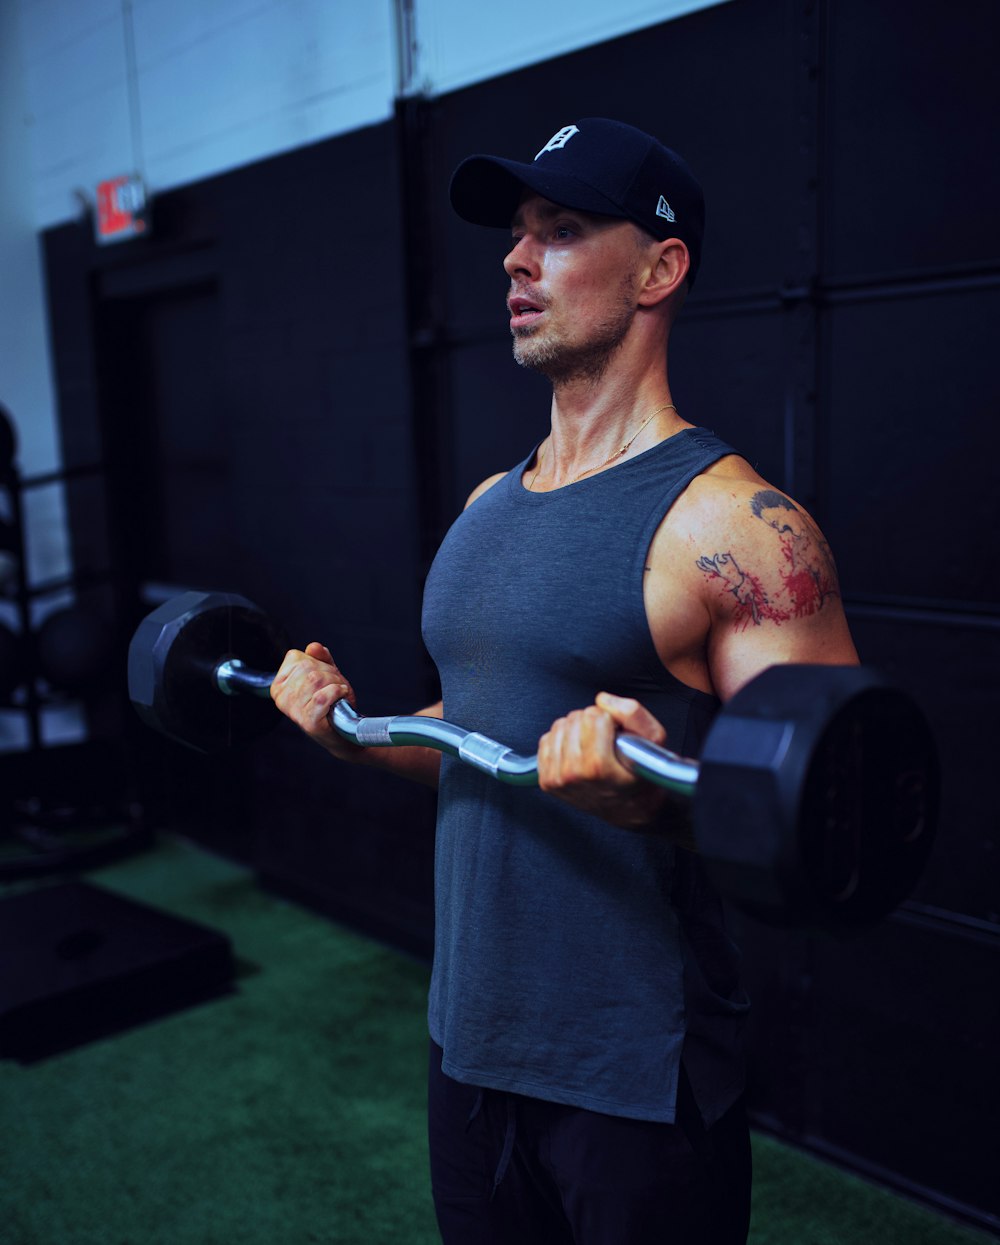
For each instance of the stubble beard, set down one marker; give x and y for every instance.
(584, 361)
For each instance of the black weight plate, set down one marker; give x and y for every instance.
(817, 797)
(172, 660)
(869, 808)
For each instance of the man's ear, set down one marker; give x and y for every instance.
(667, 273)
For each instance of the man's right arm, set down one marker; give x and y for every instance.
(306, 688)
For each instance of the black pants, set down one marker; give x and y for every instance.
(509, 1170)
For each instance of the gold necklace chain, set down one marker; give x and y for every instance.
(667, 406)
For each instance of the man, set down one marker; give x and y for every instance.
(585, 1010)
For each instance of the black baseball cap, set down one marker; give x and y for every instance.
(600, 166)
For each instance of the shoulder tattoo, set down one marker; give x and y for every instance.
(798, 582)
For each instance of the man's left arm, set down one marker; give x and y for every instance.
(759, 571)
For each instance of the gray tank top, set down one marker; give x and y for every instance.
(573, 961)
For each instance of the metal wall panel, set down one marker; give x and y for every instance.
(913, 393)
(910, 169)
(903, 1055)
(726, 374)
(951, 664)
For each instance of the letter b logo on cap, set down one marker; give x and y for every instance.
(559, 139)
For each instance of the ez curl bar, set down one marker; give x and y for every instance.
(667, 769)
(813, 805)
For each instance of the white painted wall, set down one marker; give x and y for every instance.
(459, 43)
(179, 90)
(25, 384)
(25, 375)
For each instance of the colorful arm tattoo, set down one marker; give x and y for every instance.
(807, 576)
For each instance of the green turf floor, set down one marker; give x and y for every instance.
(292, 1111)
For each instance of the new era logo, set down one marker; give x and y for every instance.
(559, 139)
(664, 209)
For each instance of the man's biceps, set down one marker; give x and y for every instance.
(732, 665)
(737, 658)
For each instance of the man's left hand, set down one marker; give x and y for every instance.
(577, 762)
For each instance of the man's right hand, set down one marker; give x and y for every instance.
(306, 688)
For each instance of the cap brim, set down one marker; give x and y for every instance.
(485, 190)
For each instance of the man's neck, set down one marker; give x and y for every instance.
(591, 422)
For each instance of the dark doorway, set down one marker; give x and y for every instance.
(166, 439)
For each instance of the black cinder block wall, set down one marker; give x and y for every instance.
(320, 373)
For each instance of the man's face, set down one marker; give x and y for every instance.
(573, 287)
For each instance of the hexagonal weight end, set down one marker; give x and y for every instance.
(172, 659)
(817, 797)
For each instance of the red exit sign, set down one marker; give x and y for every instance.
(122, 209)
